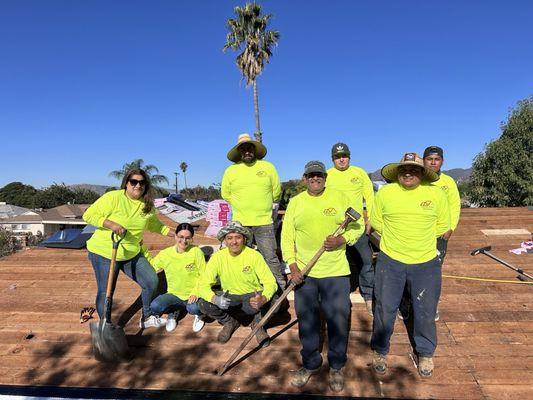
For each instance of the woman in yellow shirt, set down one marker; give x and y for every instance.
(127, 212)
(183, 265)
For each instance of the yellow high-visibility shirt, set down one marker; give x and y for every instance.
(182, 270)
(449, 186)
(118, 207)
(410, 221)
(241, 274)
(308, 221)
(355, 183)
(251, 189)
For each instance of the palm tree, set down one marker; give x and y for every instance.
(150, 169)
(183, 167)
(247, 32)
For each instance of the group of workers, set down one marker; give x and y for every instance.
(415, 215)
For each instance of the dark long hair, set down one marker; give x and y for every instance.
(147, 196)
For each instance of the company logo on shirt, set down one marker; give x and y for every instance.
(354, 180)
(330, 212)
(445, 188)
(247, 269)
(427, 205)
(261, 174)
(189, 267)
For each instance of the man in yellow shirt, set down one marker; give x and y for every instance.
(433, 159)
(310, 219)
(246, 281)
(409, 213)
(250, 186)
(355, 183)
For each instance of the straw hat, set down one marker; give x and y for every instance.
(260, 149)
(390, 171)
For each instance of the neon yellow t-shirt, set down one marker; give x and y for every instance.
(251, 189)
(241, 274)
(355, 183)
(409, 221)
(449, 186)
(308, 221)
(118, 207)
(182, 270)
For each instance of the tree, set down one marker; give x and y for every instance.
(18, 194)
(247, 32)
(150, 169)
(183, 167)
(501, 174)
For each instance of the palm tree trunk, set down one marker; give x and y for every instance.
(185, 179)
(258, 135)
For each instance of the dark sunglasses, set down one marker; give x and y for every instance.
(315, 175)
(135, 182)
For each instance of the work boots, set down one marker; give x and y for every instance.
(227, 330)
(425, 366)
(379, 363)
(261, 336)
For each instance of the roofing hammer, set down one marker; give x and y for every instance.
(486, 251)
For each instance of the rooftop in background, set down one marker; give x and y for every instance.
(9, 211)
(64, 213)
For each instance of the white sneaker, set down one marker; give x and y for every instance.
(171, 323)
(153, 322)
(198, 323)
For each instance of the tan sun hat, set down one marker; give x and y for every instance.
(390, 171)
(260, 149)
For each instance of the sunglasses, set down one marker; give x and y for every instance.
(135, 182)
(314, 175)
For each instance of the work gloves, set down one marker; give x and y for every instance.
(221, 301)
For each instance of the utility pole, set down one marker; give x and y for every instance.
(176, 173)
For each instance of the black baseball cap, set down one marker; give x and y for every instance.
(315, 167)
(433, 150)
(340, 148)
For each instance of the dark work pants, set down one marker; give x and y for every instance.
(238, 303)
(265, 239)
(423, 283)
(332, 297)
(366, 276)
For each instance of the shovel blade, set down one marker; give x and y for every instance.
(109, 342)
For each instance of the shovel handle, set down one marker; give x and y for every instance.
(112, 275)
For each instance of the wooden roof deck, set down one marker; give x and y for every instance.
(485, 331)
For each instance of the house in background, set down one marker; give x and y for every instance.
(46, 222)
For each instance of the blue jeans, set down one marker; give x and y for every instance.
(167, 303)
(138, 269)
(366, 276)
(265, 238)
(332, 296)
(423, 284)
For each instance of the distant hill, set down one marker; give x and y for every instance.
(100, 189)
(458, 174)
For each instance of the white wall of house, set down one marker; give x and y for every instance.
(25, 227)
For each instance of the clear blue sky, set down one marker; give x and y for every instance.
(86, 86)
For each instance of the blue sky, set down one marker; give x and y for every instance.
(88, 86)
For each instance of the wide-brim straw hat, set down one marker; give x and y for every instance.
(235, 227)
(260, 149)
(390, 171)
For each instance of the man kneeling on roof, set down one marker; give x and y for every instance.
(410, 213)
(247, 284)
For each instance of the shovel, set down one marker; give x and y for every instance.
(109, 340)
(350, 215)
